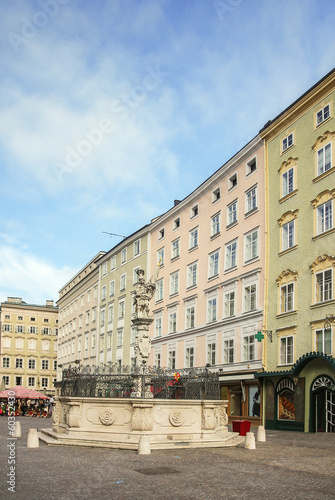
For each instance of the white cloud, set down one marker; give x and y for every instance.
(30, 277)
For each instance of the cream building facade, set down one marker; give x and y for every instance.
(209, 298)
(29, 336)
(117, 282)
(79, 317)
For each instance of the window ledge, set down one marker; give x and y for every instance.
(250, 261)
(324, 174)
(191, 287)
(173, 295)
(211, 278)
(287, 149)
(283, 252)
(324, 303)
(226, 271)
(251, 212)
(323, 122)
(288, 313)
(232, 224)
(193, 248)
(216, 235)
(175, 258)
(289, 195)
(330, 231)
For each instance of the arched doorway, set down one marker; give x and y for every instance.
(323, 404)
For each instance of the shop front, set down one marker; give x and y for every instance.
(302, 398)
(244, 396)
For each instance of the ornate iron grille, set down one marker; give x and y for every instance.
(112, 381)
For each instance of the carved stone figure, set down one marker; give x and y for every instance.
(74, 415)
(144, 293)
(107, 417)
(176, 418)
(142, 418)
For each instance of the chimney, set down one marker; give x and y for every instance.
(49, 303)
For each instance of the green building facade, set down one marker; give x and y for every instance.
(299, 366)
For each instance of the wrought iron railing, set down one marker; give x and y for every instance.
(111, 381)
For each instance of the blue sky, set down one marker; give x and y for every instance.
(110, 110)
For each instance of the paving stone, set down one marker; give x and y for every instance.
(289, 465)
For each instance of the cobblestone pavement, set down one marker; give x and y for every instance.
(290, 465)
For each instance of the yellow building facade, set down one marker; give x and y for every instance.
(29, 336)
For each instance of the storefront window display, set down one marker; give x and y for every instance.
(286, 407)
(254, 401)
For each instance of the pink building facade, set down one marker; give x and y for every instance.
(209, 298)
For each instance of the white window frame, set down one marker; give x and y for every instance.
(232, 215)
(323, 340)
(251, 166)
(251, 200)
(121, 309)
(175, 249)
(159, 290)
(173, 321)
(137, 247)
(212, 304)
(228, 345)
(123, 256)
(123, 279)
(216, 195)
(324, 290)
(230, 252)
(287, 142)
(323, 114)
(189, 356)
(194, 211)
(288, 235)
(161, 256)
(189, 316)
(323, 155)
(232, 182)
(174, 283)
(250, 297)
(230, 303)
(215, 224)
(211, 352)
(193, 238)
(324, 217)
(287, 292)
(158, 326)
(213, 264)
(251, 245)
(249, 347)
(113, 262)
(192, 274)
(112, 288)
(286, 350)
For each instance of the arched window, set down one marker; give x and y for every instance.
(285, 395)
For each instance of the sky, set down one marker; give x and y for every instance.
(110, 110)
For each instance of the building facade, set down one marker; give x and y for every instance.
(29, 336)
(79, 317)
(208, 306)
(300, 367)
(117, 282)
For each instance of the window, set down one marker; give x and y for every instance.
(232, 213)
(176, 223)
(104, 269)
(172, 360)
(123, 256)
(211, 309)
(251, 166)
(189, 357)
(323, 340)
(158, 359)
(249, 350)
(45, 364)
(32, 345)
(113, 262)
(87, 317)
(19, 343)
(158, 326)
(46, 320)
(103, 293)
(175, 249)
(20, 329)
(250, 298)
(287, 142)
(110, 313)
(190, 317)
(45, 382)
(31, 381)
(216, 195)
(192, 270)
(251, 200)
(159, 289)
(287, 298)
(135, 275)
(32, 329)
(288, 235)
(94, 316)
(6, 343)
(102, 317)
(55, 365)
(93, 342)
(194, 211)
(161, 233)
(160, 257)
(112, 288)
(215, 224)
(324, 285)
(133, 333)
(7, 316)
(173, 322)
(7, 328)
(122, 282)
(193, 238)
(324, 218)
(232, 182)
(137, 247)
(213, 264)
(109, 341)
(6, 379)
(229, 304)
(231, 255)
(31, 364)
(19, 363)
(86, 342)
(286, 350)
(228, 351)
(211, 353)
(251, 245)
(121, 309)
(288, 182)
(174, 283)
(5, 363)
(119, 338)
(324, 159)
(322, 115)
(20, 318)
